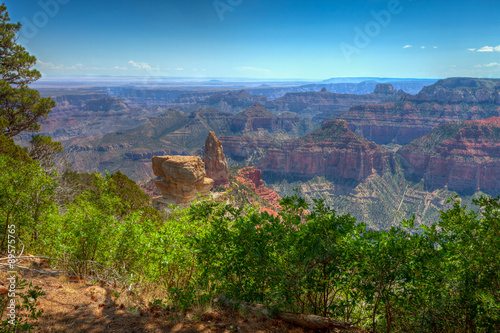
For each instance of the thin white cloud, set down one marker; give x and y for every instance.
(252, 69)
(77, 66)
(434, 47)
(489, 49)
(423, 47)
(140, 65)
(407, 46)
(179, 69)
(120, 68)
(48, 65)
(471, 50)
(491, 64)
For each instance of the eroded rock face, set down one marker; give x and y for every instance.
(183, 177)
(464, 156)
(323, 104)
(244, 148)
(215, 161)
(332, 151)
(449, 100)
(255, 183)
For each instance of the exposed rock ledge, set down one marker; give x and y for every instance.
(183, 177)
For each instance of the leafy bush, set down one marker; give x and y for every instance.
(442, 278)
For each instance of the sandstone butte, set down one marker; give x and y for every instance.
(252, 178)
(465, 156)
(183, 177)
(215, 161)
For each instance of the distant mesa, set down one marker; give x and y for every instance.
(182, 178)
(319, 105)
(384, 89)
(105, 104)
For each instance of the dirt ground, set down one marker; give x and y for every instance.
(73, 305)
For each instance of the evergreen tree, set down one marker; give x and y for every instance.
(21, 108)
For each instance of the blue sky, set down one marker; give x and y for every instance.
(262, 39)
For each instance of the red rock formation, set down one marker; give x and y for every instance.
(332, 151)
(215, 161)
(252, 178)
(463, 156)
(449, 100)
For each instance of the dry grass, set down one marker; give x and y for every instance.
(76, 305)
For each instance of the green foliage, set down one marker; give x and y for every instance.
(441, 279)
(42, 149)
(25, 199)
(470, 247)
(20, 107)
(128, 192)
(9, 148)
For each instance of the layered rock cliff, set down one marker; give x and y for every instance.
(91, 113)
(332, 151)
(319, 105)
(259, 118)
(252, 178)
(463, 156)
(232, 102)
(247, 148)
(449, 100)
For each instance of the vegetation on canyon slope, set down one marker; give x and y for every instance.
(439, 278)
(309, 260)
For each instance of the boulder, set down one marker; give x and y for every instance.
(183, 177)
